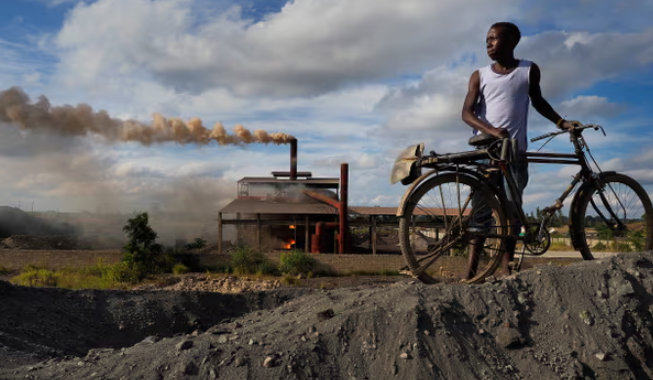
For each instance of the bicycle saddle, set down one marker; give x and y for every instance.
(482, 139)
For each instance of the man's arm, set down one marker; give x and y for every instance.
(470, 118)
(540, 104)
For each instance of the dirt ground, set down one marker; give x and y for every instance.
(586, 320)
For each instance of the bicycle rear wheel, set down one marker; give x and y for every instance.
(614, 219)
(439, 222)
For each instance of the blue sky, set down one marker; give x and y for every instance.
(354, 80)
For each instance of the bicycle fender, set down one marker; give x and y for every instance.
(402, 203)
(582, 191)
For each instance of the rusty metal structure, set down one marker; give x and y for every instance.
(294, 210)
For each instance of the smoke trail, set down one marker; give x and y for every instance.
(81, 120)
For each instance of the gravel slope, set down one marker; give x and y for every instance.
(590, 320)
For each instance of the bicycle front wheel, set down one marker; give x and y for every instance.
(441, 217)
(616, 218)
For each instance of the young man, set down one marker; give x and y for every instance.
(497, 103)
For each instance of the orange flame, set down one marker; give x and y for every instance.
(289, 244)
(292, 227)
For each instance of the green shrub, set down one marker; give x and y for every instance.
(4, 270)
(245, 260)
(296, 262)
(189, 260)
(122, 272)
(180, 269)
(636, 239)
(599, 247)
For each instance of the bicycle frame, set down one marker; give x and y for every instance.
(586, 174)
(457, 162)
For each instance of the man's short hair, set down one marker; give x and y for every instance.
(509, 28)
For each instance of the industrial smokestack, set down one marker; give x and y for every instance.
(293, 159)
(344, 214)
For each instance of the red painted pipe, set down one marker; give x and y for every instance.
(343, 245)
(341, 205)
(318, 242)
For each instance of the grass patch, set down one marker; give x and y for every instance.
(100, 276)
(289, 279)
(560, 247)
(4, 270)
(180, 269)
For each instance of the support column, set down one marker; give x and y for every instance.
(219, 233)
(258, 232)
(369, 233)
(374, 234)
(307, 235)
(239, 230)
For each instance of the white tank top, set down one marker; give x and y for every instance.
(504, 101)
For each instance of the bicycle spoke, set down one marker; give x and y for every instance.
(432, 257)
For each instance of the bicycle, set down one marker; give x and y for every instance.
(608, 206)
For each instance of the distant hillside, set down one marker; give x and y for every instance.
(14, 221)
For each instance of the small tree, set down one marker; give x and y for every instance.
(604, 232)
(142, 253)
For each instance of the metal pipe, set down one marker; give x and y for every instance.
(552, 161)
(323, 198)
(343, 211)
(550, 155)
(293, 159)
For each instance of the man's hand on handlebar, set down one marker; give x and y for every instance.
(570, 124)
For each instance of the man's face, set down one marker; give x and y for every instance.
(497, 43)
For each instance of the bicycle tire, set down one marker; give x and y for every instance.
(578, 215)
(406, 222)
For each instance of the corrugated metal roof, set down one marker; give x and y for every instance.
(363, 210)
(307, 181)
(254, 206)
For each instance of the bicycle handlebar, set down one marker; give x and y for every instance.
(579, 128)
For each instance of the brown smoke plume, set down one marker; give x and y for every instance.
(81, 120)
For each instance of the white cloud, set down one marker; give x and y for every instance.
(585, 107)
(589, 59)
(307, 48)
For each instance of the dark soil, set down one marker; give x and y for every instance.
(588, 320)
